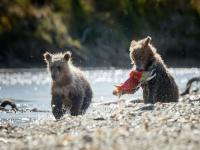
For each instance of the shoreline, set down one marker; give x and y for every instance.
(122, 125)
(170, 62)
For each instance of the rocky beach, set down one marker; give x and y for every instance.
(122, 125)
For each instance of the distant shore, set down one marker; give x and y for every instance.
(114, 126)
(123, 63)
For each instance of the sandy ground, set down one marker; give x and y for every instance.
(120, 126)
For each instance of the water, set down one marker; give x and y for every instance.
(30, 88)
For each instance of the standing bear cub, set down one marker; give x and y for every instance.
(70, 89)
(162, 88)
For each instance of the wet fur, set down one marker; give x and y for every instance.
(70, 89)
(162, 88)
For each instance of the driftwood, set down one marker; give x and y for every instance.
(8, 102)
(189, 85)
(12, 104)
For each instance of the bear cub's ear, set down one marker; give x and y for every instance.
(47, 56)
(147, 40)
(133, 43)
(67, 56)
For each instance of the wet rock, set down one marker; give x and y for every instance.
(99, 118)
(87, 138)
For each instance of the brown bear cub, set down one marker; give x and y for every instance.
(70, 89)
(162, 88)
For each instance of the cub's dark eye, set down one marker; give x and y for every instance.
(140, 57)
(59, 68)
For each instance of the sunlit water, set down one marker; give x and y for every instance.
(30, 88)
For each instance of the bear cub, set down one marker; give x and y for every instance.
(162, 88)
(70, 90)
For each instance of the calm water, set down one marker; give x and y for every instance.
(30, 88)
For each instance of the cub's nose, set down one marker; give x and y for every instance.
(53, 77)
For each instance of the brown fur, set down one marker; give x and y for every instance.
(70, 89)
(162, 88)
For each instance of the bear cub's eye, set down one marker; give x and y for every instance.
(140, 57)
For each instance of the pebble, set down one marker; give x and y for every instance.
(164, 126)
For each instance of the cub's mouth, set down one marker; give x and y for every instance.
(139, 68)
